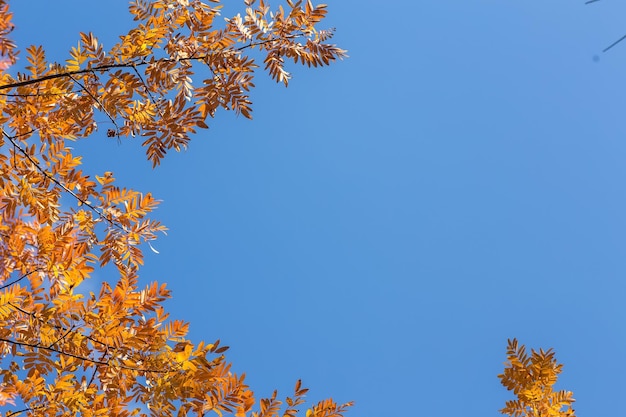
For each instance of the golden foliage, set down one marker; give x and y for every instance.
(114, 352)
(531, 378)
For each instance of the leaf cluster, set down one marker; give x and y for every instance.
(147, 84)
(531, 378)
(114, 351)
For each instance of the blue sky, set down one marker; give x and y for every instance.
(383, 225)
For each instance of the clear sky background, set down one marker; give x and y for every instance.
(383, 225)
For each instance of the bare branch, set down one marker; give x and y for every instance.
(614, 43)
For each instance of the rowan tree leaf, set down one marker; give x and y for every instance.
(114, 350)
(532, 378)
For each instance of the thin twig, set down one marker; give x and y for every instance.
(107, 347)
(614, 43)
(109, 67)
(21, 278)
(95, 369)
(97, 100)
(14, 413)
(37, 94)
(63, 186)
(79, 357)
(33, 315)
(105, 68)
(145, 87)
(62, 337)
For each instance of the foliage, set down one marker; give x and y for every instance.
(531, 379)
(115, 352)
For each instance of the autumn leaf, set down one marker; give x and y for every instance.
(113, 350)
(531, 378)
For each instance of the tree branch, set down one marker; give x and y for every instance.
(82, 358)
(24, 83)
(60, 184)
(21, 278)
(97, 100)
(14, 413)
(614, 43)
(108, 67)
